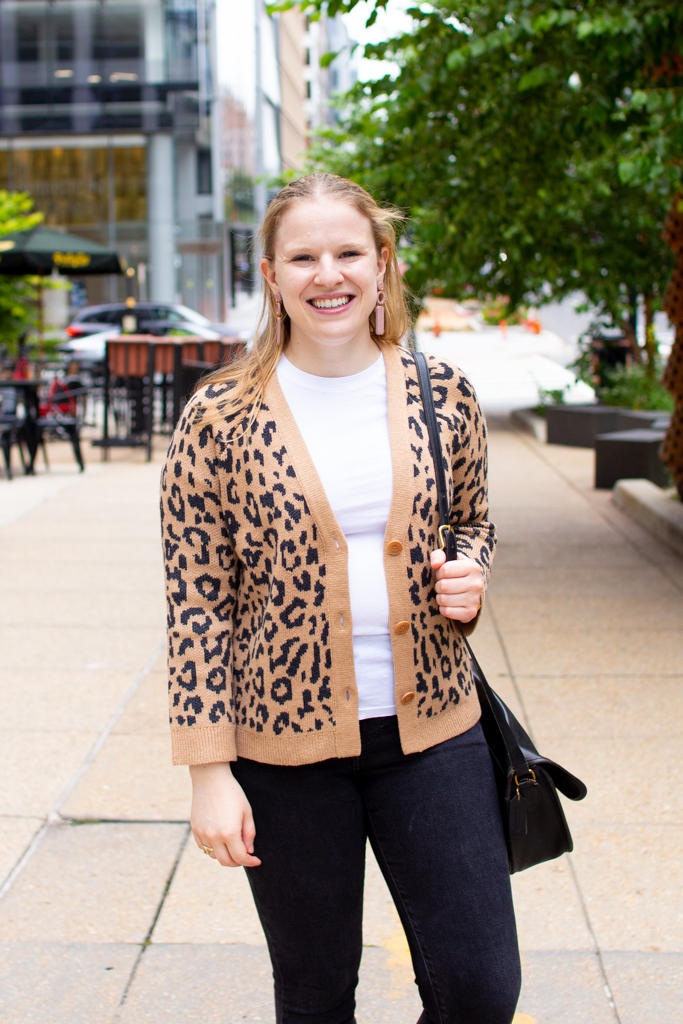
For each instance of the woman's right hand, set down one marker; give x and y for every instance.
(221, 817)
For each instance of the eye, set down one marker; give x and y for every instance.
(301, 259)
(348, 253)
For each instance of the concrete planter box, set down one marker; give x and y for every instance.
(656, 510)
(629, 455)
(529, 421)
(633, 419)
(579, 425)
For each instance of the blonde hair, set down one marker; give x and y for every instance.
(249, 375)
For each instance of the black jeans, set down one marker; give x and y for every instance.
(434, 824)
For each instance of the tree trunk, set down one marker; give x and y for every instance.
(629, 324)
(672, 448)
(650, 340)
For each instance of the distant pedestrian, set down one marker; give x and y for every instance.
(318, 687)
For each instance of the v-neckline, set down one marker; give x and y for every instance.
(304, 468)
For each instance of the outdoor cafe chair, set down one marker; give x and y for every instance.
(11, 425)
(58, 417)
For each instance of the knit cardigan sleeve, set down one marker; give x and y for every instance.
(201, 588)
(476, 535)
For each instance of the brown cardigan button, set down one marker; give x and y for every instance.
(394, 547)
(407, 697)
(401, 627)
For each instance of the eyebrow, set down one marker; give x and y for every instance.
(296, 249)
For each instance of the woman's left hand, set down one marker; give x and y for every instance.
(459, 586)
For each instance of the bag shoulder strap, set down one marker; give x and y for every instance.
(446, 535)
(449, 542)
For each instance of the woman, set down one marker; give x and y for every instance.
(319, 687)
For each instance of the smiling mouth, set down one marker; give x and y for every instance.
(337, 303)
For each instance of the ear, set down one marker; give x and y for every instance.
(268, 271)
(382, 261)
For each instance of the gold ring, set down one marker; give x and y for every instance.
(207, 850)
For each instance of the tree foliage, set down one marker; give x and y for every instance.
(18, 295)
(534, 145)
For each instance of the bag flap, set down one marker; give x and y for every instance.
(567, 783)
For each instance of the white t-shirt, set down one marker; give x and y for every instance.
(344, 422)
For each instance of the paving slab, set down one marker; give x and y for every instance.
(208, 903)
(631, 878)
(77, 700)
(548, 909)
(621, 706)
(92, 883)
(486, 645)
(646, 986)
(15, 835)
(634, 609)
(36, 768)
(613, 769)
(57, 607)
(201, 984)
(132, 779)
(563, 988)
(147, 713)
(60, 982)
(70, 646)
(20, 496)
(561, 650)
(233, 983)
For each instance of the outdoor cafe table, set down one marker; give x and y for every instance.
(144, 355)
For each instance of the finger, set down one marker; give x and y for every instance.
(238, 851)
(457, 569)
(437, 558)
(222, 855)
(462, 600)
(248, 831)
(459, 614)
(201, 841)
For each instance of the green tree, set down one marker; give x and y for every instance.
(18, 295)
(521, 137)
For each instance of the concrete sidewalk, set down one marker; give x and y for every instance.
(110, 913)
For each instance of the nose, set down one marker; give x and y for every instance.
(329, 273)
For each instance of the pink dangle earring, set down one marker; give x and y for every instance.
(279, 316)
(379, 310)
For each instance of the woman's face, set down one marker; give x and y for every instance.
(326, 268)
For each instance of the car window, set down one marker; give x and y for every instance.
(93, 318)
(192, 315)
(112, 316)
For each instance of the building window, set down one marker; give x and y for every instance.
(204, 176)
(308, 89)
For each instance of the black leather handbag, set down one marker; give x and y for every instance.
(535, 827)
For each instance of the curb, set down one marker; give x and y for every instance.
(656, 510)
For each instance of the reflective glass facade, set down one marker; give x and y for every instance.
(98, 65)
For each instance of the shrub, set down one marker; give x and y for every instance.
(633, 387)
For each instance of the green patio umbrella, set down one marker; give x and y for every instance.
(41, 250)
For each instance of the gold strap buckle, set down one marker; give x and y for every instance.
(441, 531)
(532, 773)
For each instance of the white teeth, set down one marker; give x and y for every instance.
(330, 303)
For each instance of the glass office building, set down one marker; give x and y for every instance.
(108, 118)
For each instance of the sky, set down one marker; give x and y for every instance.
(390, 22)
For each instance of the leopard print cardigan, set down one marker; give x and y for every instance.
(260, 637)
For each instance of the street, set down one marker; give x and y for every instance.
(110, 913)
